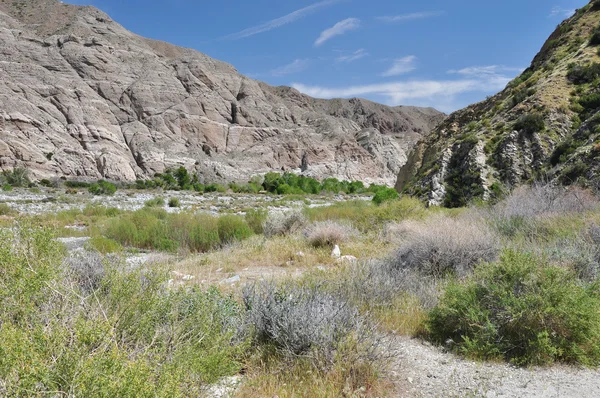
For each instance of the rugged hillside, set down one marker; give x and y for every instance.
(544, 125)
(82, 97)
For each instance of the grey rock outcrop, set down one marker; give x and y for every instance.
(82, 97)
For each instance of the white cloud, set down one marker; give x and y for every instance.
(279, 22)
(563, 12)
(401, 66)
(355, 56)
(411, 17)
(338, 29)
(296, 66)
(441, 94)
(487, 72)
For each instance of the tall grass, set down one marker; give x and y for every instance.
(156, 229)
(367, 216)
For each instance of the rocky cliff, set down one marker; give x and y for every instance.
(544, 125)
(82, 97)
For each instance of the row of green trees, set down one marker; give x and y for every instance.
(180, 179)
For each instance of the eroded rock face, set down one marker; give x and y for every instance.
(82, 97)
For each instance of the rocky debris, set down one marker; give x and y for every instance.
(226, 388)
(84, 98)
(73, 244)
(420, 370)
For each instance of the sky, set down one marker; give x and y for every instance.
(440, 53)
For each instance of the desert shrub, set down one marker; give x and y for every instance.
(103, 188)
(531, 123)
(77, 184)
(384, 195)
(155, 202)
(256, 219)
(284, 223)
(87, 269)
(104, 245)
(396, 298)
(595, 38)
(442, 245)
(6, 210)
(590, 102)
(233, 228)
(328, 233)
(94, 210)
(174, 202)
(304, 321)
(7, 188)
(521, 310)
(580, 252)
(215, 188)
(525, 207)
(130, 338)
(582, 74)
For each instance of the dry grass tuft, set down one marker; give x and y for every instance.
(284, 223)
(442, 245)
(329, 233)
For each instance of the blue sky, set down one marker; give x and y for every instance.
(440, 53)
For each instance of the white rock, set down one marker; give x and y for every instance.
(336, 252)
(232, 280)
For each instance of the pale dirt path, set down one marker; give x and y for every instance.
(421, 370)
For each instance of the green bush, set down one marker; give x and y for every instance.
(385, 195)
(174, 202)
(103, 188)
(104, 245)
(155, 202)
(582, 74)
(256, 220)
(590, 102)
(595, 39)
(7, 188)
(233, 228)
(6, 210)
(531, 123)
(17, 177)
(215, 188)
(77, 184)
(131, 338)
(522, 310)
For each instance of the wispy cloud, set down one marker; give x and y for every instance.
(442, 94)
(355, 56)
(338, 29)
(296, 66)
(401, 66)
(563, 12)
(487, 71)
(411, 17)
(281, 21)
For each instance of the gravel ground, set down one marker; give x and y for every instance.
(54, 200)
(421, 370)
